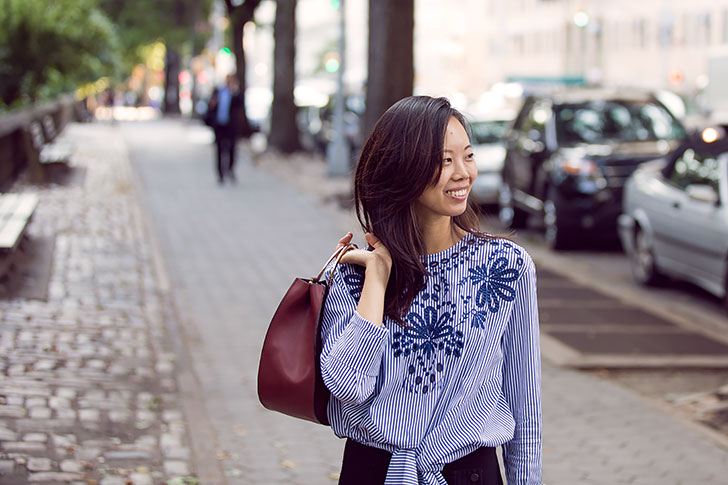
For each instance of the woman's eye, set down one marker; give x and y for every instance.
(447, 161)
(470, 156)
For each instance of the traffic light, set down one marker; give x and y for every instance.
(331, 62)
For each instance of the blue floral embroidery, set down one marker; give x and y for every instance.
(426, 341)
(354, 281)
(480, 317)
(496, 280)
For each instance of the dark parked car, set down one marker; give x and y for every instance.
(569, 154)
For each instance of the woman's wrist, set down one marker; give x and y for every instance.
(379, 269)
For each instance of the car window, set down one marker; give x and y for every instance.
(536, 119)
(607, 121)
(695, 168)
(488, 131)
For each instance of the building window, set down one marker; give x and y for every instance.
(666, 32)
(707, 28)
(642, 33)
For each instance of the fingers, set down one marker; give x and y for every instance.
(355, 256)
(344, 241)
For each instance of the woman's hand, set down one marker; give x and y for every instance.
(377, 262)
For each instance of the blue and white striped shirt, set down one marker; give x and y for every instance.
(464, 373)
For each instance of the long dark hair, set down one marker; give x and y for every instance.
(400, 159)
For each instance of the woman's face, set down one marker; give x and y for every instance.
(449, 196)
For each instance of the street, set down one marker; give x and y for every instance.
(231, 251)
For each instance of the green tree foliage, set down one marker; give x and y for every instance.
(179, 24)
(142, 22)
(52, 46)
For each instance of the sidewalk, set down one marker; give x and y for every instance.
(232, 251)
(87, 382)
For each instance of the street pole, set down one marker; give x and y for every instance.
(337, 152)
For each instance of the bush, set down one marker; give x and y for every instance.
(51, 46)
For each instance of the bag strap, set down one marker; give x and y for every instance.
(335, 258)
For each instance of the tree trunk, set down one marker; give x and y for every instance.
(390, 57)
(170, 105)
(239, 16)
(283, 128)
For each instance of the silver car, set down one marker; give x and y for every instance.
(488, 146)
(675, 217)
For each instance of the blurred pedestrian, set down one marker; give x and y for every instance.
(430, 336)
(222, 116)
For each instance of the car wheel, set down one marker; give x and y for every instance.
(508, 214)
(644, 269)
(556, 236)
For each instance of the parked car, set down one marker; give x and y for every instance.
(570, 152)
(675, 219)
(316, 123)
(488, 139)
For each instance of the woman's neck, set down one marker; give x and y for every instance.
(439, 234)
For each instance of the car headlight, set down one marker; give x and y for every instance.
(588, 176)
(580, 166)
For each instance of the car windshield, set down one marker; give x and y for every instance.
(488, 131)
(609, 121)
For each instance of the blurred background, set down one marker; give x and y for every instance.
(599, 131)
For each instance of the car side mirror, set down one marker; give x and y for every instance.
(702, 193)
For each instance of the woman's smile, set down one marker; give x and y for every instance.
(460, 193)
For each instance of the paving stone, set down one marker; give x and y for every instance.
(72, 466)
(6, 467)
(8, 435)
(92, 415)
(66, 414)
(113, 480)
(176, 467)
(23, 446)
(127, 455)
(54, 477)
(12, 411)
(36, 402)
(40, 413)
(59, 403)
(141, 479)
(36, 464)
(38, 437)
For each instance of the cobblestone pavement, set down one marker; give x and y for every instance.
(87, 382)
(231, 252)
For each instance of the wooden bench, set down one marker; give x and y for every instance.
(48, 158)
(43, 135)
(16, 211)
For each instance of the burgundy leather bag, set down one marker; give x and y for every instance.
(289, 374)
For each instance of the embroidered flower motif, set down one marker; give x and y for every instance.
(495, 280)
(480, 317)
(425, 342)
(354, 282)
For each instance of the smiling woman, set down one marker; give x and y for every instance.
(430, 343)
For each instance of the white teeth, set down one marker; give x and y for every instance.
(457, 193)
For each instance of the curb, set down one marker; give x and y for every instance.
(205, 465)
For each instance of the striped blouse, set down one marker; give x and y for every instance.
(464, 373)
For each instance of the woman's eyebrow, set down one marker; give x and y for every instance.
(464, 148)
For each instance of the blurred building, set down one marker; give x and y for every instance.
(464, 47)
(655, 43)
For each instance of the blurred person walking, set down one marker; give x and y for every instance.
(223, 117)
(430, 336)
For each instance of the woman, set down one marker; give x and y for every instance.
(430, 337)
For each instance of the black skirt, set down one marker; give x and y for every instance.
(366, 465)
